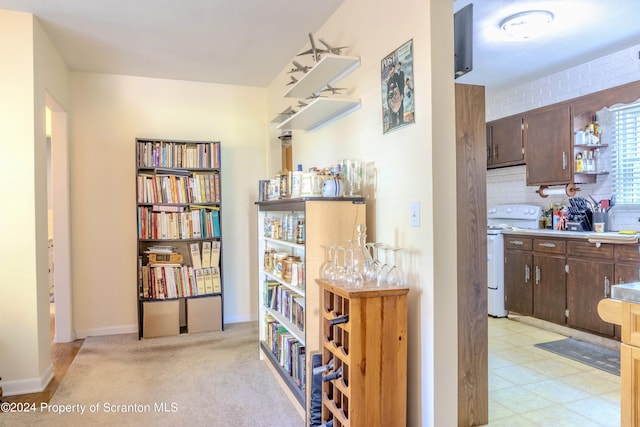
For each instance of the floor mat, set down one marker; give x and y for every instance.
(584, 352)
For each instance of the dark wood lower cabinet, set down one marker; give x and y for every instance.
(518, 282)
(588, 282)
(549, 288)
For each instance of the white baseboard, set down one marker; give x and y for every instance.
(110, 330)
(241, 319)
(30, 385)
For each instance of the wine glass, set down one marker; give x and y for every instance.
(372, 270)
(393, 276)
(352, 275)
(384, 267)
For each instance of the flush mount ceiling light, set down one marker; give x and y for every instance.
(527, 25)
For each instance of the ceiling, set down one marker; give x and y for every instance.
(582, 30)
(249, 42)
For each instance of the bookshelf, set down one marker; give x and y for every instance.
(178, 203)
(289, 298)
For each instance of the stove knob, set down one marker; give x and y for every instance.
(509, 210)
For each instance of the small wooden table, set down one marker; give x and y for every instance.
(627, 315)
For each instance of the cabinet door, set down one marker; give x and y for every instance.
(506, 142)
(626, 273)
(549, 297)
(518, 279)
(588, 282)
(547, 143)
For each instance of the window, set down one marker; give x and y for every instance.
(625, 120)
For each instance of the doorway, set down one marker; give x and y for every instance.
(59, 224)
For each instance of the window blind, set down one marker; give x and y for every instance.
(626, 153)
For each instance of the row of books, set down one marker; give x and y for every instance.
(289, 351)
(178, 154)
(199, 222)
(287, 303)
(198, 188)
(161, 281)
(208, 256)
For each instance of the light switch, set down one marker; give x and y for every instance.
(415, 214)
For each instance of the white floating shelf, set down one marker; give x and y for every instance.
(320, 112)
(329, 70)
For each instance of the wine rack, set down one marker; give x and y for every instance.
(364, 335)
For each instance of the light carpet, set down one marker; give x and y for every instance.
(210, 378)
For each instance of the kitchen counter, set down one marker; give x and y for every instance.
(613, 235)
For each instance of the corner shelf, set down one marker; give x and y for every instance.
(320, 112)
(330, 69)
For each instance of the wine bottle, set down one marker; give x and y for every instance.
(334, 375)
(339, 320)
(324, 368)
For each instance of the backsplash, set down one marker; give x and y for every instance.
(508, 185)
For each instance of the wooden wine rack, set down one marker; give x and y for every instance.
(371, 349)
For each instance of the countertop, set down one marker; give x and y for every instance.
(613, 235)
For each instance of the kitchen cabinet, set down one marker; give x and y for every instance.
(518, 280)
(505, 146)
(589, 277)
(547, 145)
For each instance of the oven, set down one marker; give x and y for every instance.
(500, 218)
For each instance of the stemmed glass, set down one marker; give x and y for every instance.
(393, 276)
(352, 275)
(371, 273)
(384, 267)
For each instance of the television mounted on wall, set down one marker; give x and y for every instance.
(463, 40)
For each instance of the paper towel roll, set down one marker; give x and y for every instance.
(569, 190)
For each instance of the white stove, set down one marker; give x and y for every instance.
(500, 218)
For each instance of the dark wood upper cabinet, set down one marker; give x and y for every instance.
(547, 145)
(504, 142)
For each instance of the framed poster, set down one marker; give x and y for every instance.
(398, 104)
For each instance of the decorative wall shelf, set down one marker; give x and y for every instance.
(320, 112)
(329, 70)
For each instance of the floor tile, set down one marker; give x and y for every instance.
(557, 416)
(529, 386)
(556, 391)
(498, 411)
(520, 400)
(553, 367)
(597, 409)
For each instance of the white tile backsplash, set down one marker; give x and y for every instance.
(508, 185)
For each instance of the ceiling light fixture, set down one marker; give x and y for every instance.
(527, 25)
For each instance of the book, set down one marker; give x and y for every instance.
(196, 259)
(200, 285)
(217, 283)
(215, 254)
(208, 281)
(206, 254)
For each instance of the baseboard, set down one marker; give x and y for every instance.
(129, 329)
(111, 330)
(609, 343)
(31, 385)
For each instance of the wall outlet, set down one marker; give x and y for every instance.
(415, 214)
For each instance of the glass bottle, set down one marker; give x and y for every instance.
(361, 256)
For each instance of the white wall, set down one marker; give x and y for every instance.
(35, 67)
(410, 167)
(109, 112)
(508, 185)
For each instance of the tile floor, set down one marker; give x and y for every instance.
(529, 386)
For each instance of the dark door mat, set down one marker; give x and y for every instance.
(584, 352)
